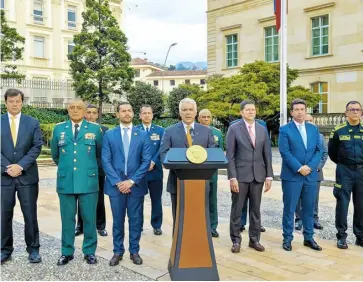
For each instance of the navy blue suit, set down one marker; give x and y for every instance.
(295, 185)
(113, 162)
(24, 153)
(155, 176)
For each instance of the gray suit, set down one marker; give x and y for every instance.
(324, 158)
(250, 166)
(175, 137)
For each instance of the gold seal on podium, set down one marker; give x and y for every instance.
(197, 154)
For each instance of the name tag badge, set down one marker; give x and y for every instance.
(154, 137)
(344, 137)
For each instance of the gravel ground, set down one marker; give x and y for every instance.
(271, 214)
(20, 269)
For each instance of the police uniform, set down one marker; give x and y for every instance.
(155, 176)
(213, 207)
(77, 179)
(345, 148)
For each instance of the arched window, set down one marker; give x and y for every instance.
(320, 88)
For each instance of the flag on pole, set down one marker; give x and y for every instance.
(277, 6)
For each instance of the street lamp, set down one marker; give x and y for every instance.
(167, 54)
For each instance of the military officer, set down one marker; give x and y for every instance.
(345, 148)
(205, 118)
(92, 116)
(76, 148)
(155, 173)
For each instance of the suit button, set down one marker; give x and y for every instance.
(75, 168)
(75, 152)
(14, 153)
(75, 144)
(75, 160)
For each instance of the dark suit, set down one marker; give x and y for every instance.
(101, 211)
(175, 137)
(320, 178)
(24, 153)
(155, 176)
(294, 185)
(138, 163)
(250, 165)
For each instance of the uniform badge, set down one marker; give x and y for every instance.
(91, 136)
(135, 133)
(63, 151)
(89, 150)
(155, 137)
(216, 139)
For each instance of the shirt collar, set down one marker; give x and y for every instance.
(299, 124)
(248, 124)
(16, 117)
(129, 126)
(185, 125)
(79, 123)
(146, 126)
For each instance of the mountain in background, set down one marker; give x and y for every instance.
(191, 66)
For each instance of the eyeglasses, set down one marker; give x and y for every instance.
(354, 110)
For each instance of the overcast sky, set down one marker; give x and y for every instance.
(152, 25)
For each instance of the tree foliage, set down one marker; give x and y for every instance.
(178, 94)
(143, 93)
(11, 49)
(100, 61)
(258, 81)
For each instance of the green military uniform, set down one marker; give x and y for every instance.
(77, 178)
(213, 208)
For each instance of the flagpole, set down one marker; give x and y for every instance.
(283, 64)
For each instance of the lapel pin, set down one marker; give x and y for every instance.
(135, 133)
(85, 126)
(66, 126)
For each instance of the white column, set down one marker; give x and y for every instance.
(283, 64)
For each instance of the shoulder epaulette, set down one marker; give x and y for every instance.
(93, 122)
(61, 122)
(339, 126)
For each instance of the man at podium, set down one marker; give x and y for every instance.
(183, 135)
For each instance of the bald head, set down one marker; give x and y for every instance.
(309, 118)
(205, 117)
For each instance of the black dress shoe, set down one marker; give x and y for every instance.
(136, 258)
(287, 246)
(102, 232)
(257, 246)
(312, 245)
(215, 234)
(263, 229)
(157, 231)
(242, 228)
(342, 244)
(359, 242)
(5, 258)
(236, 248)
(317, 225)
(34, 257)
(63, 260)
(78, 232)
(115, 260)
(298, 225)
(90, 259)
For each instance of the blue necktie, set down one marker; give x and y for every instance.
(303, 134)
(126, 144)
(147, 130)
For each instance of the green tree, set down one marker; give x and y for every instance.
(258, 81)
(11, 49)
(143, 93)
(178, 94)
(100, 61)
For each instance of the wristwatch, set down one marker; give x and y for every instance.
(132, 182)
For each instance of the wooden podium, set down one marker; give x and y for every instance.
(192, 254)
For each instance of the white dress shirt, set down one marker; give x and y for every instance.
(185, 127)
(128, 131)
(79, 128)
(17, 122)
(303, 129)
(146, 126)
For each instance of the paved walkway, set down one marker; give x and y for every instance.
(274, 264)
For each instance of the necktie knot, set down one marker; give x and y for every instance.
(125, 129)
(76, 125)
(13, 118)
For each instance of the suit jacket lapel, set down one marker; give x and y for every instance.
(5, 127)
(22, 129)
(68, 130)
(118, 139)
(245, 131)
(183, 134)
(82, 130)
(299, 134)
(135, 135)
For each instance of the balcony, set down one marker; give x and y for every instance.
(327, 122)
(39, 62)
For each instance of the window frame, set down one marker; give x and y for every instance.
(187, 81)
(172, 82)
(2, 7)
(156, 83)
(137, 73)
(72, 24)
(38, 18)
(39, 39)
(233, 59)
(277, 46)
(321, 103)
(70, 43)
(321, 36)
(202, 81)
